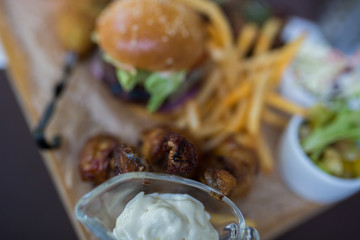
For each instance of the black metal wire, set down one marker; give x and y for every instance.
(39, 132)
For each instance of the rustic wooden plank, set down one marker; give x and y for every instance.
(35, 58)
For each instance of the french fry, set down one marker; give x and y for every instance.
(193, 115)
(210, 86)
(217, 18)
(207, 109)
(275, 120)
(215, 141)
(245, 140)
(267, 35)
(265, 156)
(246, 38)
(279, 102)
(256, 103)
(215, 38)
(239, 93)
(230, 67)
(216, 53)
(210, 130)
(181, 123)
(223, 88)
(238, 121)
(286, 55)
(261, 62)
(279, 58)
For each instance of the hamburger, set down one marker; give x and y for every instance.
(153, 46)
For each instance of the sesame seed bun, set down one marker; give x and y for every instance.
(154, 35)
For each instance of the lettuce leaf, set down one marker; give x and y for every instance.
(158, 85)
(161, 86)
(329, 125)
(128, 80)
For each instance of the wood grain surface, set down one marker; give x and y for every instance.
(86, 108)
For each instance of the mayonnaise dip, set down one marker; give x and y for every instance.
(164, 216)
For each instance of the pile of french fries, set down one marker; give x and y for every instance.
(240, 92)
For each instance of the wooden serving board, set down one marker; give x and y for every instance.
(87, 108)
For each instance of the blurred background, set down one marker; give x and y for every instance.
(30, 207)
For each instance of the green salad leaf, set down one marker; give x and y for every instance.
(161, 86)
(158, 85)
(129, 80)
(331, 124)
(107, 58)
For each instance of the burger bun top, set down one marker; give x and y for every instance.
(154, 35)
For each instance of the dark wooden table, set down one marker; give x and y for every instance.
(29, 205)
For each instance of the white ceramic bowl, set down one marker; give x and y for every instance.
(303, 177)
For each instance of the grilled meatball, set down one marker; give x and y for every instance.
(169, 151)
(126, 159)
(95, 158)
(219, 179)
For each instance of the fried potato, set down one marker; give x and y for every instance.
(274, 119)
(267, 36)
(246, 38)
(265, 155)
(257, 103)
(193, 115)
(279, 102)
(241, 94)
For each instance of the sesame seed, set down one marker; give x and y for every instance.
(185, 34)
(134, 28)
(164, 38)
(171, 32)
(162, 19)
(150, 22)
(133, 42)
(169, 61)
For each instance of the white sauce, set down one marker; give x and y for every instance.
(164, 216)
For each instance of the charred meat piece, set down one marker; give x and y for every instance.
(126, 159)
(219, 179)
(182, 157)
(168, 151)
(95, 158)
(241, 163)
(151, 145)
